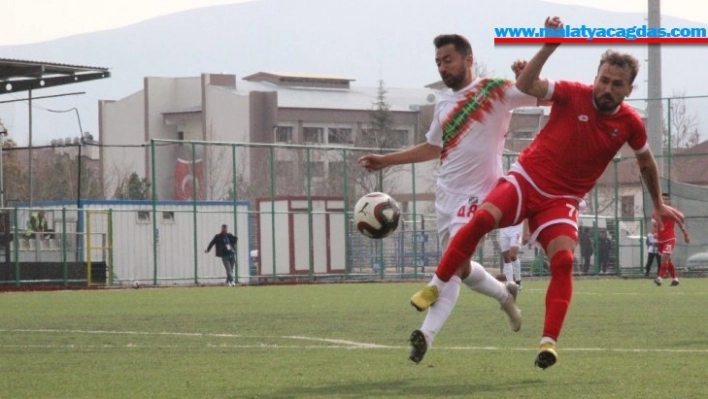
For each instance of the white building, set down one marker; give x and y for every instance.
(279, 108)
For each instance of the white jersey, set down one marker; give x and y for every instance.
(470, 125)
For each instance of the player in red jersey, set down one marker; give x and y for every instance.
(666, 241)
(586, 128)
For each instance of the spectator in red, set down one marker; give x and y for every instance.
(666, 238)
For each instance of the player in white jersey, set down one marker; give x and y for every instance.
(467, 135)
(510, 240)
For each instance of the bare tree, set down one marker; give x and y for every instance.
(14, 174)
(684, 124)
(682, 138)
(380, 135)
(217, 167)
(480, 70)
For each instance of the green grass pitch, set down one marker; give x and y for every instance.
(622, 339)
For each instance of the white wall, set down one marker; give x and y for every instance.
(292, 236)
(122, 123)
(133, 244)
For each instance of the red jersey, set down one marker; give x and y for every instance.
(668, 232)
(577, 143)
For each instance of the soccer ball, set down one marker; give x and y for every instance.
(136, 284)
(376, 215)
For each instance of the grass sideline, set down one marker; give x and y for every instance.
(622, 339)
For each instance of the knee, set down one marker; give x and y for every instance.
(464, 271)
(562, 262)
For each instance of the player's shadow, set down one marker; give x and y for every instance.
(403, 388)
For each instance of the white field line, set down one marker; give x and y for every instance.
(324, 343)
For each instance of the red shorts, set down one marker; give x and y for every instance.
(666, 247)
(519, 200)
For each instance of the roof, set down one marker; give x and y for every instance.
(22, 75)
(291, 75)
(301, 79)
(359, 98)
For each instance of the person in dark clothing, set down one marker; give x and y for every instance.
(586, 248)
(652, 252)
(225, 249)
(604, 248)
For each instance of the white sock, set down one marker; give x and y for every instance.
(547, 339)
(442, 308)
(509, 272)
(481, 281)
(437, 282)
(517, 269)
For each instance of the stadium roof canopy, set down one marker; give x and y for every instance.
(21, 75)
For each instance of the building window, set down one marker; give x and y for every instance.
(168, 217)
(284, 134)
(521, 134)
(384, 139)
(627, 202)
(313, 135)
(336, 135)
(143, 216)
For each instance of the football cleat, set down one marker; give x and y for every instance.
(419, 345)
(674, 283)
(510, 306)
(424, 298)
(547, 356)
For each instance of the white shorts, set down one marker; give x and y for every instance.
(510, 237)
(453, 211)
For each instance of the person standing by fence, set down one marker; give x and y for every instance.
(225, 243)
(604, 247)
(652, 252)
(586, 248)
(511, 239)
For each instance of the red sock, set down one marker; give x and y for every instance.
(559, 293)
(662, 270)
(672, 270)
(463, 245)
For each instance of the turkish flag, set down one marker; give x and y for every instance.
(188, 176)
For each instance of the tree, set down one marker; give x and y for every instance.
(56, 177)
(217, 166)
(684, 125)
(480, 70)
(379, 135)
(14, 174)
(133, 187)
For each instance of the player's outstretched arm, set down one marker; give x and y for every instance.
(528, 80)
(419, 153)
(650, 176)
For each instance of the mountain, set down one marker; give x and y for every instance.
(366, 40)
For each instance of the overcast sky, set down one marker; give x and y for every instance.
(30, 21)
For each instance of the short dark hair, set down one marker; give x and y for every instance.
(462, 45)
(622, 61)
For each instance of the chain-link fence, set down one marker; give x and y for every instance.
(148, 212)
